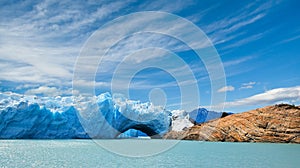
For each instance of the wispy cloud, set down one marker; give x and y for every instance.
(244, 41)
(176, 6)
(238, 61)
(229, 28)
(226, 89)
(241, 24)
(296, 37)
(203, 12)
(248, 85)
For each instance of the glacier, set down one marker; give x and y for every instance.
(101, 116)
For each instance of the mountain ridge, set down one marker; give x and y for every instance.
(202, 115)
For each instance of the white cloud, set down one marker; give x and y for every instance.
(41, 45)
(48, 91)
(248, 85)
(279, 95)
(226, 89)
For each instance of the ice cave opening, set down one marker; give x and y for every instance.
(139, 131)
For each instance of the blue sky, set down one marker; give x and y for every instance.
(258, 44)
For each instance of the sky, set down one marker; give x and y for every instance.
(45, 44)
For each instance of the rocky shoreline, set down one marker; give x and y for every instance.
(276, 124)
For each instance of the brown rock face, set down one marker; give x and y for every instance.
(279, 123)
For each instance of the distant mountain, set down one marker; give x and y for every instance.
(278, 123)
(202, 115)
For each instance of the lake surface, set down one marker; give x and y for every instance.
(90, 153)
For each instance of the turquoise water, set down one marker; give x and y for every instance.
(87, 153)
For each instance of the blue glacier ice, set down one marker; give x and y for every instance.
(102, 116)
(118, 114)
(29, 117)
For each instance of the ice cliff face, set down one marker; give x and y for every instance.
(102, 116)
(30, 117)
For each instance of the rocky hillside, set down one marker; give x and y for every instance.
(279, 123)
